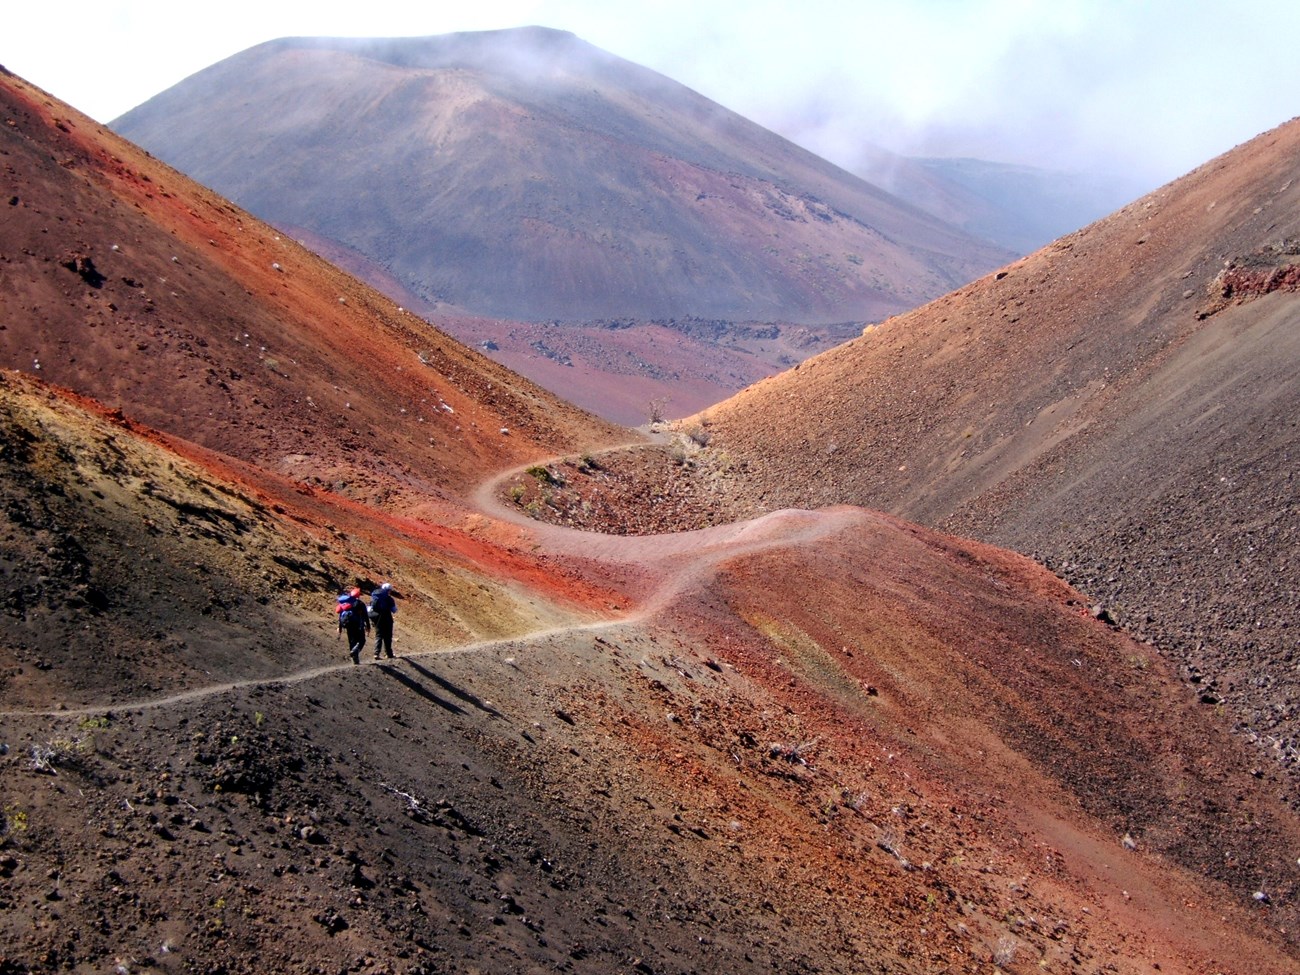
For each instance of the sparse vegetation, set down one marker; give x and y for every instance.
(13, 819)
(47, 756)
(854, 801)
(890, 841)
(794, 753)
(656, 411)
(1005, 952)
(699, 435)
(542, 474)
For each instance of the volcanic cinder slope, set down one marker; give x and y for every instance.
(1121, 404)
(190, 317)
(526, 176)
(594, 753)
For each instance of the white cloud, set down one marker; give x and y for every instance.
(1155, 87)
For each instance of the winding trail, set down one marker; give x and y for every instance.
(681, 562)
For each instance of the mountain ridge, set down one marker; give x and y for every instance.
(504, 181)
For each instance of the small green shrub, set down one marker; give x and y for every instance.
(541, 473)
(13, 819)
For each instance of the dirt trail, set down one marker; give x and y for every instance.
(645, 549)
(678, 563)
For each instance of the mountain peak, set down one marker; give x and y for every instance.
(555, 182)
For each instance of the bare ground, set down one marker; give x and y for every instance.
(826, 741)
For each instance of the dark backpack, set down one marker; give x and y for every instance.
(381, 603)
(350, 611)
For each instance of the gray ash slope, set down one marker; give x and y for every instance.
(527, 174)
(1121, 404)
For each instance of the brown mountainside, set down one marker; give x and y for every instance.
(592, 753)
(526, 174)
(163, 300)
(573, 214)
(1122, 404)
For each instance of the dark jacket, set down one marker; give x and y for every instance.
(382, 602)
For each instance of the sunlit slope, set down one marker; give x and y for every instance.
(129, 283)
(1121, 404)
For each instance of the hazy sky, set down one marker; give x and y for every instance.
(1147, 88)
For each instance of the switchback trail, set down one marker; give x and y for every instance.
(680, 562)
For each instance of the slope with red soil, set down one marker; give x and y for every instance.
(940, 762)
(133, 285)
(134, 564)
(1121, 404)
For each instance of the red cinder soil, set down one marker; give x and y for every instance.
(1120, 405)
(134, 286)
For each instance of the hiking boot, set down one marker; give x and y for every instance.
(356, 659)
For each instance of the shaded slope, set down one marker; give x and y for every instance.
(137, 566)
(129, 283)
(525, 174)
(1121, 403)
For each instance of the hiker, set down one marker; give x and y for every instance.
(382, 610)
(354, 620)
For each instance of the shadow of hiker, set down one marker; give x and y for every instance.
(451, 688)
(419, 688)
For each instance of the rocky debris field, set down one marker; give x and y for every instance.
(639, 491)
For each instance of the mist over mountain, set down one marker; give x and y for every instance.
(1021, 208)
(525, 174)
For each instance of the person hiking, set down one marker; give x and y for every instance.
(382, 610)
(354, 620)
